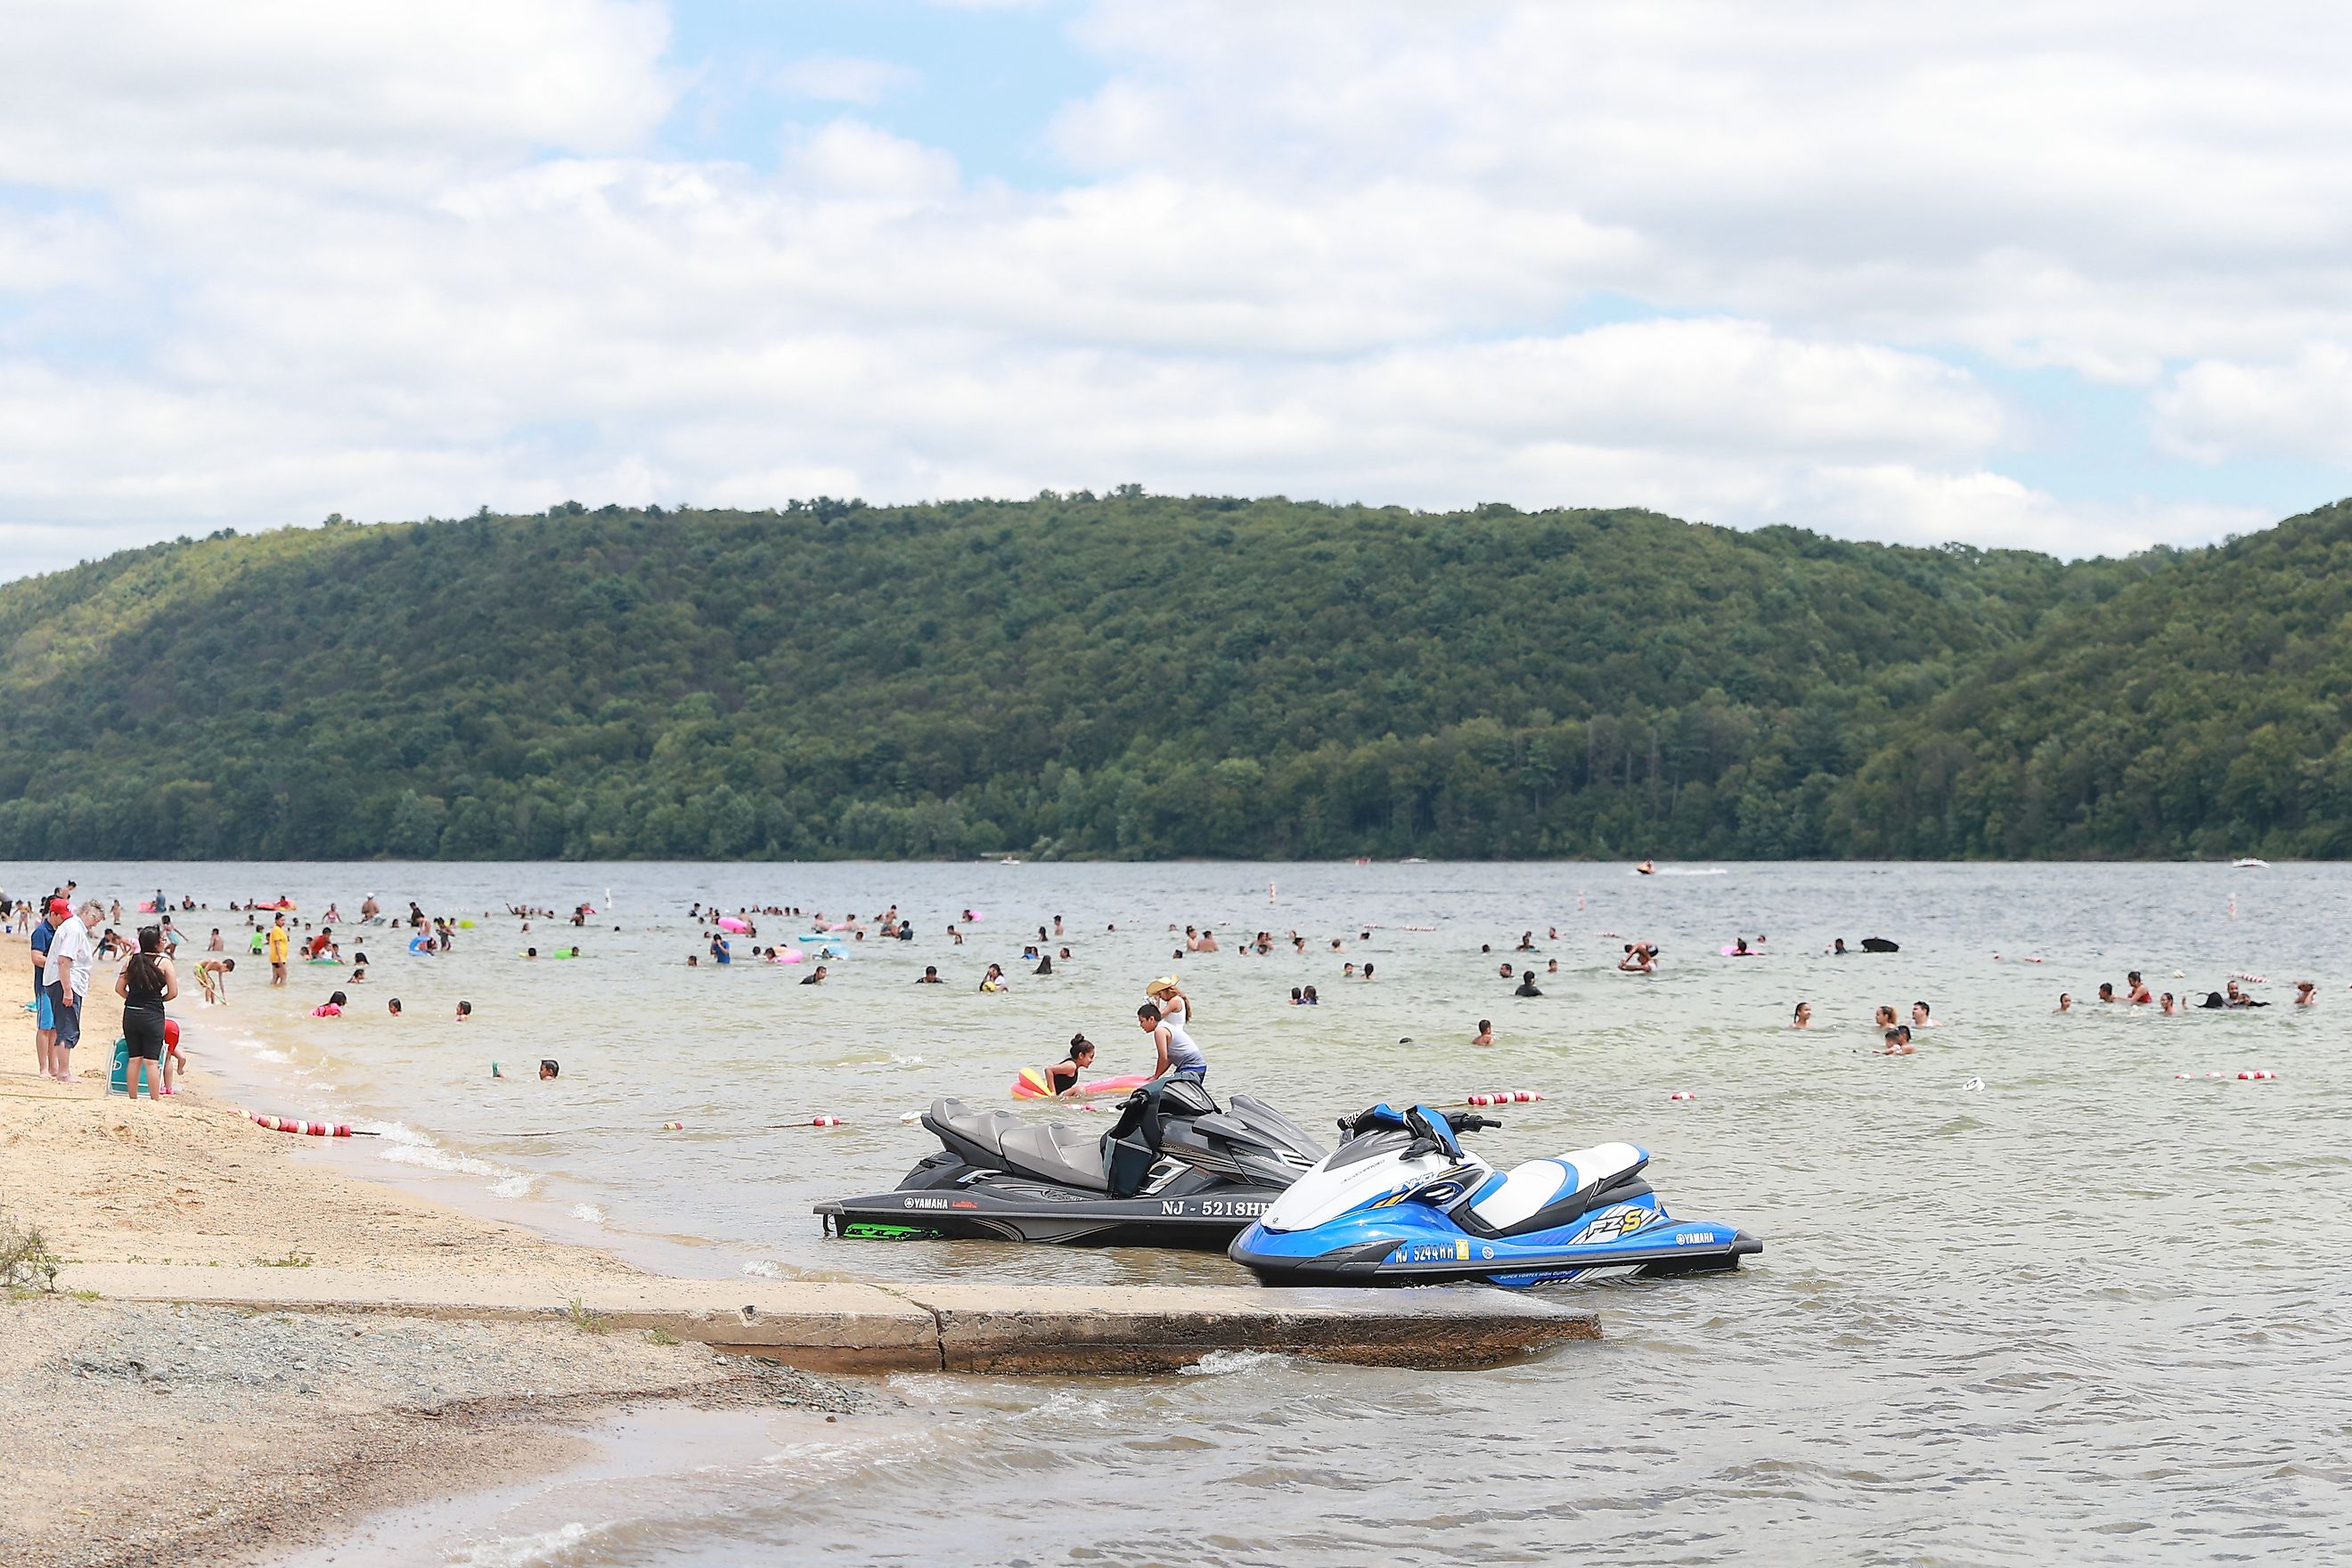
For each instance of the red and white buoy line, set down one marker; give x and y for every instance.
(309, 1129)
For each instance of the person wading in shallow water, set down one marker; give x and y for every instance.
(1178, 1056)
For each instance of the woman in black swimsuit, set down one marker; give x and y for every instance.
(1063, 1075)
(145, 984)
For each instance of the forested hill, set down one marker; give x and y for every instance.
(1140, 675)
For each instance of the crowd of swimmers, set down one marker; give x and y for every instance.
(70, 936)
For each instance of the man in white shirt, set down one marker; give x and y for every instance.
(71, 959)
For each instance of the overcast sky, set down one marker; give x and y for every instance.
(2075, 274)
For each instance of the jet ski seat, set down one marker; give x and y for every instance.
(1545, 1193)
(977, 1135)
(1058, 1153)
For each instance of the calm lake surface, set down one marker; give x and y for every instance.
(2026, 1297)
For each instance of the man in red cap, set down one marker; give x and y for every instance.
(72, 958)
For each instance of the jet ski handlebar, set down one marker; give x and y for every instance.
(1411, 1119)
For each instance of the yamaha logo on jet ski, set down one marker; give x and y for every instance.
(1401, 1203)
(1175, 1170)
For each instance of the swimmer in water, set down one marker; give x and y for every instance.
(1527, 985)
(1485, 1034)
(1063, 1075)
(2106, 991)
(548, 1069)
(1919, 1018)
(816, 976)
(333, 1007)
(1309, 999)
(465, 1011)
(1641, 958)
(2166, 1004)
(1348, 971)
(993, 981)
(1804, 1017)
(1883, 1018)
(392, 1006)
(929, 977)
(1838, 947)
(2065, 1003)
(1897, 1046)
(1505, 971)
(2306, 993)
(2137, 989)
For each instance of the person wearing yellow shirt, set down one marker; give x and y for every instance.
(279, 939)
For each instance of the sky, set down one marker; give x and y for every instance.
(2076, 276)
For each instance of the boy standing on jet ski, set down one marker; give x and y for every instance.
(1179, 1056)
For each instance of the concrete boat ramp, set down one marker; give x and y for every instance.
(845, 1326)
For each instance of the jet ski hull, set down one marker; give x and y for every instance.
(1413, 1245)
(993, 1206)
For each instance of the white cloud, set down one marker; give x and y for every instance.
(2300, 407)
(844, 79)
(391, 260)
(105, 94)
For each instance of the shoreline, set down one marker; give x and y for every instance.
(336, 1345)
(149, 1431)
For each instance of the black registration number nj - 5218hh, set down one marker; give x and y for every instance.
(1212, 1208)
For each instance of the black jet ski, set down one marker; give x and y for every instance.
(1174, 1170)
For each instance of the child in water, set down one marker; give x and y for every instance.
(212, 978)
(333, 1007)
(1485, 1034)
(1063, 1075)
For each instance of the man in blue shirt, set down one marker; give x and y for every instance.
(45, 1024)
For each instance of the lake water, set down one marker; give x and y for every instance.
(2027, 1296)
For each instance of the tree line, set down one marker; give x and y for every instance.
(1131, 675)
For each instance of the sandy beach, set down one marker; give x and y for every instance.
(141, 1432)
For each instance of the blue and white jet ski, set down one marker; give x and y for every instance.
(1399, 1202)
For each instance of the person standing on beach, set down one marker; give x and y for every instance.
(279, 939)
(72, 958)
(145, 984)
